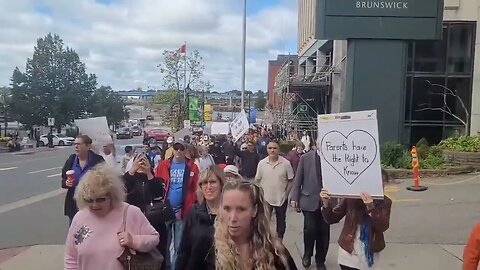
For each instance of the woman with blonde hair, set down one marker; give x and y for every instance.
(97, 236)
(195, 250)
(243, 238)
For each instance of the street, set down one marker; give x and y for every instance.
(31, 198)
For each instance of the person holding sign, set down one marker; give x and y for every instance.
(366, 220)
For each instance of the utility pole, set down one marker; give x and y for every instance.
(244, 47)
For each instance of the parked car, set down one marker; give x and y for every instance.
(124, 133)
(58, 139)
(136, 131)
(150, 117)
(157, 134)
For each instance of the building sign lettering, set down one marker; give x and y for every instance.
(381, 5)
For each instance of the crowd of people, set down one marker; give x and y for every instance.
(217, 198)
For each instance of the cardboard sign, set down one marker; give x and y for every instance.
(350, 154)
(239, 126)
(97, 129)
(218, 128)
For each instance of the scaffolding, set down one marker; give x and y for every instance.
(294, 112)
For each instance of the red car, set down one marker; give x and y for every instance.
(157, 134)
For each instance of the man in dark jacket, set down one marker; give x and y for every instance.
(248, 161)
(305, 194)
(83, 160)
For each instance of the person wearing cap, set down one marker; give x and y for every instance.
(168, 149)
(232, 174)
(180, 176)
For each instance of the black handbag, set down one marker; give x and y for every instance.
(159, 212)
(134, 260)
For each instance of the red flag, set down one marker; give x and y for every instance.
(183, 49)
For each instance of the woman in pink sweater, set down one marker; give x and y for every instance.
(95, 239)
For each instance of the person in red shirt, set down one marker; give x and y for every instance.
(180, 175)
(471, 254)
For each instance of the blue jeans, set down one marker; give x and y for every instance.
(175, 231)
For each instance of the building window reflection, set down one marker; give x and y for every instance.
(438, 74)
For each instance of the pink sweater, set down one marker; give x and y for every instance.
(92, 242)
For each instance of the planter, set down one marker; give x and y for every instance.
(427, 173)
(455, 158)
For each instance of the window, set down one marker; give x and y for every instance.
(427, 99)
(460, 49)
(430, 55)
(434, 68)
(458, 97)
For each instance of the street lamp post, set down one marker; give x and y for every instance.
(244, 46)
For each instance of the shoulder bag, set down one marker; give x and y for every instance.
(133, 260)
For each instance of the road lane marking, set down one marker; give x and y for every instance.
(45, 170)
(54, 175)
(28, 160)
(21, 203)
(7, 169)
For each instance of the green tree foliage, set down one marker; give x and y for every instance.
(106, 102)
(167, 97)
(55, 84)
(261, 101)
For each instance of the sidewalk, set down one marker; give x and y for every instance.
(396, 256)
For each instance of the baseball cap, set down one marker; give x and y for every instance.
(170, 140)
(231, 169)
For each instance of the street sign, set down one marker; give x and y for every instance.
(186, 124)
(51, 122)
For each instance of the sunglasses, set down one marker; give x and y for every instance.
(97, 200)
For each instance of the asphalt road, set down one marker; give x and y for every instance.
(31, 198)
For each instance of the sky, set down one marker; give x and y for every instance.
(122, 41)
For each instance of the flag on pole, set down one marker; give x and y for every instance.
(183, 49)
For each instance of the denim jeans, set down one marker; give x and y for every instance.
(175, 231)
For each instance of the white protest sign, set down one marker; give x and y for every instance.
(220, 128)
(96, 128)
(239, 126)
(350, 154)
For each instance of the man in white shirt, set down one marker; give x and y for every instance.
(275, 175)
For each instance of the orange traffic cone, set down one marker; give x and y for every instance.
(416, 173)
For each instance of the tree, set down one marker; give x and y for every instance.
(446, 94)
(55, 84)
(106, 102)
(167, 97)
(260, 102)
(176, 79)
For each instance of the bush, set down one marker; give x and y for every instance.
(392, 154)
(461, 144)
(422, 148)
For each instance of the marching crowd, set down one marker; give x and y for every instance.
(207, 203)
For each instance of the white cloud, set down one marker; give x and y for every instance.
(122, 43)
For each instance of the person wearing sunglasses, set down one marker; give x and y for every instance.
(180, 175)
(243, 225)
(198, 233)
(96, 237)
